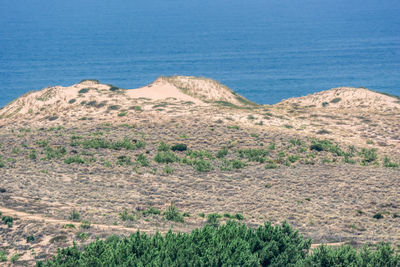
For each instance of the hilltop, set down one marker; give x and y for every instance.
(90, 160)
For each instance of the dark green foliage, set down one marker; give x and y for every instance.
(202, 165)
(2, 164)
(98, 143)
(8, 220)
(85, 224)
(151, 211)
(166, 157)
(114, 88)
(57, 152)
(326, 145)
(30, 238)
(122, 114)
(32, 154)
(378, 216)
(232, 244)
(74, 159)
(213, 219)
(199, 154)
(125, 216)
(84, 91)
(252, 154)
(163, 147)
(179, 147)
(344, 256)
(124, 160)
(72, 101)
(239, 216)
(238, 164)
(173, 214)
(222, 153)
(142, 160)
(75, 216)
(293, 158)
(389, 164)
(369, 155)
(336, 100)
(3, 256)
(114, 107)
(271, 165)
(90, 80)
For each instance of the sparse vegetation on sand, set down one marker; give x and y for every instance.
(83, 163)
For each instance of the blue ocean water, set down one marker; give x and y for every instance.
(267, 50)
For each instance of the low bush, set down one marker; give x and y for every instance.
(252, 154)
(166, 157)
(74, 159)
(173, 214)
(179, 147)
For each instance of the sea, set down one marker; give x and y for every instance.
(266, 50)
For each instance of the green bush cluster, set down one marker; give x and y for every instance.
(231, 244)
(7, 220)
(253, 154)
(166, 157)
(97, 143)
(173, 214)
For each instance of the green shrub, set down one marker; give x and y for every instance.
(293, 158)
(256, 155)
(30, 238)
(222, 153)
(369, 155)
(239, 216)
(326, 145)
(199, 154)
(168, 169)
(179, 147)
(142, 160)
(151, 211)
(32, 154)
(213, 219)
(72, 101)
(3, 256)
(14, 258)
(173, 214)
(238, 164)
(389, 164)
(163, 147)
(75, 216)
(114, 107)
(166, 157)
(85, 224)
(2, 164)
(202, 165)
(122, 114)
(83, 91)
(124, 160)
(8, 220)
(125, 216)
(57, 152)
(336, 100)
(74, 159)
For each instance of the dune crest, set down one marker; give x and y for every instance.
(346, 97)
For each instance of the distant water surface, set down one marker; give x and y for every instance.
(267, 50)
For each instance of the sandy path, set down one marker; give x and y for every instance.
(27, 216)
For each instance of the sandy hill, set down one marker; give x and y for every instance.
(346, 98)
(101, 97)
